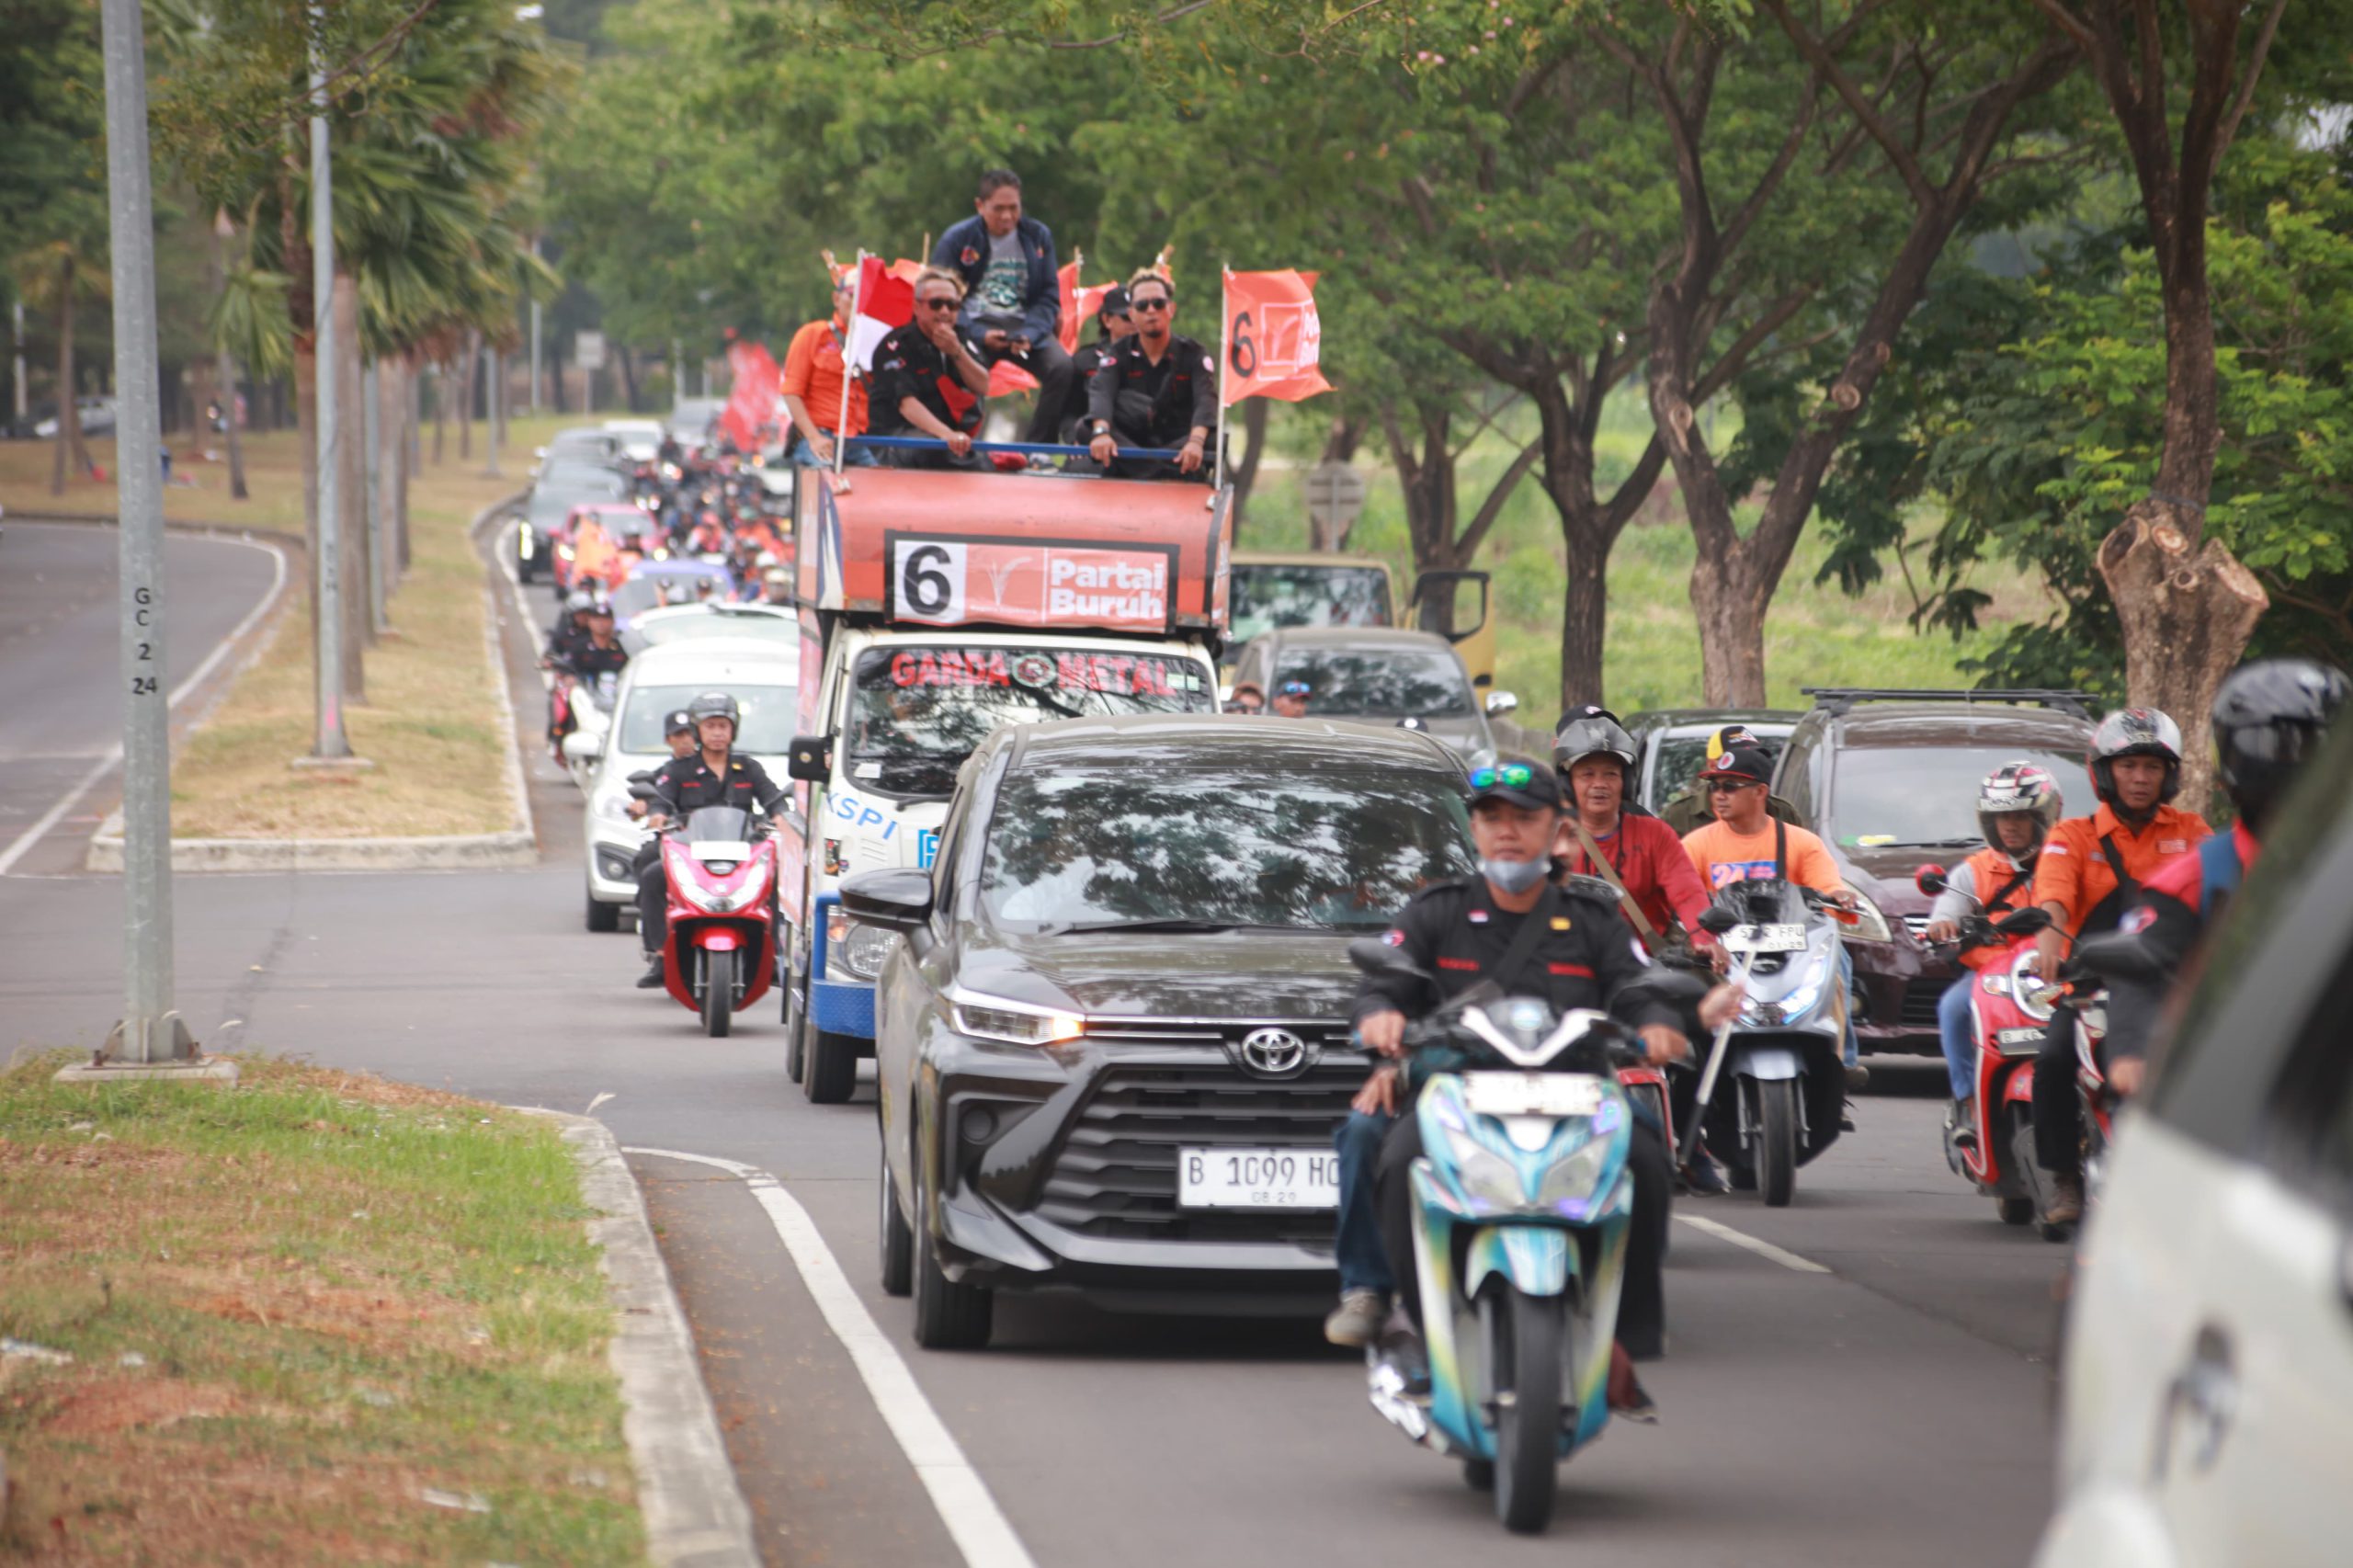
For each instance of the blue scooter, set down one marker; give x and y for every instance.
(1524, 1204)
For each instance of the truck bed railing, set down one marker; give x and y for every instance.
(1020, 448)
(1839, 699)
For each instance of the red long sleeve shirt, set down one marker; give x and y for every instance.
(1648, 858)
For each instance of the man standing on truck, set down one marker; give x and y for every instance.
(928, 381)
(1156, 388)
(1013, 305)
(815, 381)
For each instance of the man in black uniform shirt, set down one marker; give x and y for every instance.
(1460, 933)
(1156, 388)
(928, 381)
(587, 650)
(712, 774)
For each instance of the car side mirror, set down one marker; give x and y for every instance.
(584, 746)
(896, 898)
(1716, 920)
(810, 758)
(1930, 880)
(1502, 702)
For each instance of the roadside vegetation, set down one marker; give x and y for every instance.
(315, 1317)
(430, 723)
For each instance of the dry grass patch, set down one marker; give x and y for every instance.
(313, 1318)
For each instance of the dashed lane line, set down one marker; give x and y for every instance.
(1724, 1233)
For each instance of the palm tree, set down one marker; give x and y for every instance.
(53, 277)
(248, 325)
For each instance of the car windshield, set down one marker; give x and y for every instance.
(707, 621)
(1394, 683)
(649, 589)
(918, 712)
(1266, 598)
(1078, 848)
(766, 729)
(1925, 795)
(1680, 758)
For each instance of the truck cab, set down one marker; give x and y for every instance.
(935, 608)
(1276, 590)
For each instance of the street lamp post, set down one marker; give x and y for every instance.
(326, 585)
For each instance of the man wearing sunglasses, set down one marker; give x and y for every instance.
(928, 381)
(1156, 388)
(1463, 932)
(1290, 699)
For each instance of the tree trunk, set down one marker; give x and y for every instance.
(227, 376)
(351, 490)
(440, 407)
(466, 398)
(412, 448)
(1244, 475)
(391, 451)
(555, 372)
(69, 420)
(628, 378)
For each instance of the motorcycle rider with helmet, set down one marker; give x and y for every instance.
(2018, 805)
(589, 651)
(2269, 718)
(2091, 871)
(712, 774)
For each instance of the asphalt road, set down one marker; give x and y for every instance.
(1893, 1409)
(62, 717)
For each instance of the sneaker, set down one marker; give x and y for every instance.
(1627, 1398)
(1705, 1177)
(1401, 1347)
(2066, 1205)
(1960, 1124)
(652, 979)
(1355, 1322)
(1846, 1115)
(1858, 1075)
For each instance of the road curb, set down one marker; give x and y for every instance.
(513, 847)
(695, 1513)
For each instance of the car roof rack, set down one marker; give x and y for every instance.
(1839, 699)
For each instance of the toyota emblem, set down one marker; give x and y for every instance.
(1273, 1053)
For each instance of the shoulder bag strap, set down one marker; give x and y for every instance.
(1780, 850)
(2126, 888)
(1534, 926)
(1608, 873)
(2000, 899)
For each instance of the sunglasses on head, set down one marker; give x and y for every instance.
(1157, 304)
(1510, 776)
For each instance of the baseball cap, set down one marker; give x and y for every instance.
(1517, 781)
(1744, 763)
(677, 721)
(1731, 735)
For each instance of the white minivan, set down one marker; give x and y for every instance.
(2207, 1414)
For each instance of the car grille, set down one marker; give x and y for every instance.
(1115, 1173)
(1917, 925)
(1920, 999)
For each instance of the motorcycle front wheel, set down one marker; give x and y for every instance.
(1524, 1355)
(1777, 1141)
(718, 993)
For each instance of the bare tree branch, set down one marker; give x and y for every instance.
(1824, 65)
(2263, 38)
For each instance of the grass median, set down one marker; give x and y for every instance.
(312, 1318)
(430, 722)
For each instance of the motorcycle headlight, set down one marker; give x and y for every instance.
(1485, 1177)
(1015, 1023)
(2026, 987)
(754, 888)
(1798, 1001)
(1869, 926)
(1575, 1179)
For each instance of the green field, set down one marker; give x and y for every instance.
(1816, 635)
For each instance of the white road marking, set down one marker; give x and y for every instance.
(974, 1522)
(50, 819)
(1724, 1233)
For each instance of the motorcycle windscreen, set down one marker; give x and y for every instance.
(708, 824)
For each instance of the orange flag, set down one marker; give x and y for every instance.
(1273, 337)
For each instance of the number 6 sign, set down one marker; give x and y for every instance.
(927, 580)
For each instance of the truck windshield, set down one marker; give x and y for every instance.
(1395, 683)
(916, 711)
(1266, 598)
(1089, 848)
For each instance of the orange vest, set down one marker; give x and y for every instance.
(1990, 870)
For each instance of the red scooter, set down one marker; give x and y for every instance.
(2003, 1021)
(719, 953)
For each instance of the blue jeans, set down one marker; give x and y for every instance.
(1960, 1041)
(1847, 979)
(805, 456)
(1364, 1261)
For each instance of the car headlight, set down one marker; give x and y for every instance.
(863, 952)
(523, 539)
(614, 808)
(1869, 926)
(1015, 1023)
(1485, 1177)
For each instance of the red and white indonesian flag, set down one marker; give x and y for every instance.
(886, 301)
(1273, 337)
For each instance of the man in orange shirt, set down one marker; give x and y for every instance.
(2090, 874)
(1747, 843)
(813, 380)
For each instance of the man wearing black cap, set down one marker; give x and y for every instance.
(678, 729)
(1689, 810)
(1461, 933)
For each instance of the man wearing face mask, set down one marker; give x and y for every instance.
(1459, 934)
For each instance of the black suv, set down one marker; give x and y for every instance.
(1113, 1048)
(1888, 779)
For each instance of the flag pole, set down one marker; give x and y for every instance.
(849, 366)
(1225, 324)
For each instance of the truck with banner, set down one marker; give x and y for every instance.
(934, 606)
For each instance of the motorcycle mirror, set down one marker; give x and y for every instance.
(641, 792)
(1717, 920)
(2023, 922)
(642, 776)
(1930, 880)
(1376, 957)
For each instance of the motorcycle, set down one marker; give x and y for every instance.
(583, 703)
(719, 954)
(2007, 1032)
(1523, 1202)
(1785, 1051)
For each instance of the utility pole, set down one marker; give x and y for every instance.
(326, 585)
(531, 403)
(371, 436)
(151, 1036)
(20, 358)
(497, 410)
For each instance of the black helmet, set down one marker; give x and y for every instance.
(1596, 734)
(678, 721)
(578, 603)
(2268, 717)
(715, 705)
(2134, 731)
